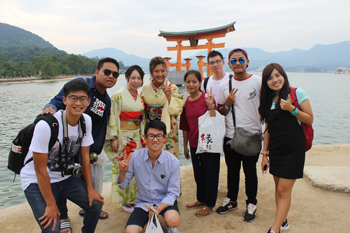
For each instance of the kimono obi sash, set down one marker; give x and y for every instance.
(154, 112)
(130, 120)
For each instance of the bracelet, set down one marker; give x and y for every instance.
(113, 139)
(211, 108)
(264, 152)
(295, 112)
(226, 107)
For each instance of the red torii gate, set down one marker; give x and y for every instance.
(193, 37)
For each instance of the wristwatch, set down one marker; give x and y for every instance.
(226, 107)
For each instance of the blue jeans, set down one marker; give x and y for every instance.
(74, 189)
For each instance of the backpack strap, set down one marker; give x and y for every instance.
(53, 123)
(293, 96)
(233, 105)
(205, 84)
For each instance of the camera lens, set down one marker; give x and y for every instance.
(77, 172)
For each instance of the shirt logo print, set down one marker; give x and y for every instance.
(252, 94)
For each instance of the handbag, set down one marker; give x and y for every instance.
(211, 133)
(97, 171)
(153, 225)
(243, 141)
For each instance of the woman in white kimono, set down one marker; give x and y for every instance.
(164, 102)
(125, 133)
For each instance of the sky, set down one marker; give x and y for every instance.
(133, 25)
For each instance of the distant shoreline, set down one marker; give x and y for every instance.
(35, 80)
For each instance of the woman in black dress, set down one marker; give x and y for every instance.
(284, 141)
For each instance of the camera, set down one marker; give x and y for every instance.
(74, 170)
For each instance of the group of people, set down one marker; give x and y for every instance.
(139, 133)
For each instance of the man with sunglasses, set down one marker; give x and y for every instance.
(245, 96)
(106, 76)
(157, 176)
(216, 65)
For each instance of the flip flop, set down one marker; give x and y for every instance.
(66, 227)
(106, 215)
(194, 205)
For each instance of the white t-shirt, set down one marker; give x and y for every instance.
(246, 104)
(40, 144)
(214, 84)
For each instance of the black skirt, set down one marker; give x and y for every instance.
(286, 145)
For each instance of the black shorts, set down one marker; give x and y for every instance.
(139, 217)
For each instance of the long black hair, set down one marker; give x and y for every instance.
(267, 95)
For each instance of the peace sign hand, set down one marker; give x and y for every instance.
(231, 98)
(167, 90)
(209, 98)
(287, 104)
(124, 164)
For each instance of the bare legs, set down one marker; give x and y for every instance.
(283, 192)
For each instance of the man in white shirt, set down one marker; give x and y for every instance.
(216, 65)
(49, 174)
(245, 96)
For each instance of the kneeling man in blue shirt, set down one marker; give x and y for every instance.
(157, 175)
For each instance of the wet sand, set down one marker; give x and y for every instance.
(312, 210)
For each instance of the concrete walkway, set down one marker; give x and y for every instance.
(312, 209)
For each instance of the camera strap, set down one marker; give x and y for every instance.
(81, 130)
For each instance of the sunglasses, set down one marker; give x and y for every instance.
(234, 60)
(107, 72)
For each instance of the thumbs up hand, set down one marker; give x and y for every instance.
(287, 104)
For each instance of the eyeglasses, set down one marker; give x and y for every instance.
(213, 62)
(234, 60)
(107, 72)
(158, 136)
(82, 99)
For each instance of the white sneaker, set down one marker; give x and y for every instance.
(285, 226)
(172, 230)
(250, 213)
(129, 208)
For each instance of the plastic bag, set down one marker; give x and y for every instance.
(154, 226)
(97, 171)
(211, 133)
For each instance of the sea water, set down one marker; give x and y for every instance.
(20, 103)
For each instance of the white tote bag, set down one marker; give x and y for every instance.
(211, 133)
(154, 228)
(97, 171)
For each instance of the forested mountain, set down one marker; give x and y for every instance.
(28, 53)
(23, 53)
(14, 36)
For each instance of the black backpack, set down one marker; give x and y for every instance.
(20, 145)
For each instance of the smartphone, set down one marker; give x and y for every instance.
(265, 170)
